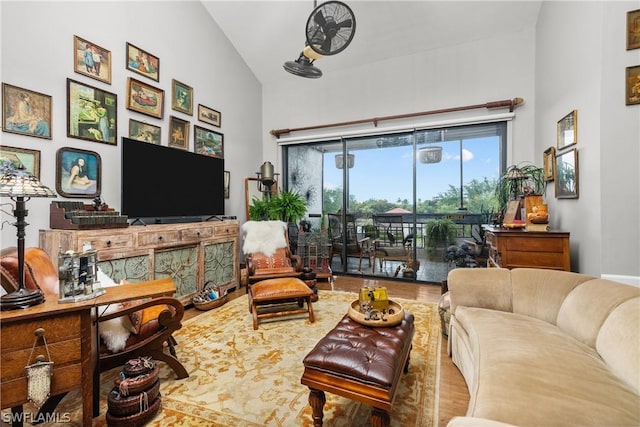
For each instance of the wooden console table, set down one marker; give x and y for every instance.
(509, 248)
(190, 253)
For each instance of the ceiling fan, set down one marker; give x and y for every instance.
(330, 29)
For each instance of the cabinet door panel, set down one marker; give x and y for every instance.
(133, 269)
(219, 265)
(181, 265)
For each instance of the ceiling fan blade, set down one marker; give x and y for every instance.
(347, 23)
(319, 18)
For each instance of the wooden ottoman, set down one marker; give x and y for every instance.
(361, 363)
(279, 291)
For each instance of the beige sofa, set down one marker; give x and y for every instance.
(545, 348)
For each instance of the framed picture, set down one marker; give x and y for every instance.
(142, 62)
(91, 60)
(227, 179)
(208, 142)
(209, 115)
(549, 164)
(632, 92)
(91, 113)
(567, 175)
(22, 158)
(633, 29)
(178, 133)
(568, 130)
(181, 97)
(26, 112)
(144, 98)
(144, 132)
(77, 173)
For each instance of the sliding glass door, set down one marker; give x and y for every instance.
(391, 205)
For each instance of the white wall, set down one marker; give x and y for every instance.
(474, 73)
(37, 54)
(580, 64)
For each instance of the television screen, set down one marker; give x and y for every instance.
(159, 182)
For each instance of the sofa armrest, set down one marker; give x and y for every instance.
(480, 287)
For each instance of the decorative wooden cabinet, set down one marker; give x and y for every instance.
(535, 249)
(190, 253)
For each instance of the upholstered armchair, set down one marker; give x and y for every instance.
(267, 252)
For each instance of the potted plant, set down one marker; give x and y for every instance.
(440, 233)
(519, 180)
(259, 210)
(287, 206)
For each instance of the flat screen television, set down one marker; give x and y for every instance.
(161, 182)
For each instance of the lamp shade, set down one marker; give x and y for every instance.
(20, 183)
(351, 159)
(430, 155)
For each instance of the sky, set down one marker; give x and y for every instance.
(387, 173)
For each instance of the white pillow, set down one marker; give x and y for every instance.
(114, 332)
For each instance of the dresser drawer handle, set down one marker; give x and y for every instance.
(159, 237)
(108, 242)
(39, 332)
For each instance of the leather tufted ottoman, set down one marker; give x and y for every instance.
(361, 363)
(277, 291)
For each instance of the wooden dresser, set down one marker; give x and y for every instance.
(68, 333)
(190, 253)
(535, 249)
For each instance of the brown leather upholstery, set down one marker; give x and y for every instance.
(39, 271)
(366, 354)
(276, 291)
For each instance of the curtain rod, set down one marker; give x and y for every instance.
(511, 103)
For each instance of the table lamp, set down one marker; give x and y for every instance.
(20, 186)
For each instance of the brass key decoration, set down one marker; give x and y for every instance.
(39, 373)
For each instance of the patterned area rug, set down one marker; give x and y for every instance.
(241, 377)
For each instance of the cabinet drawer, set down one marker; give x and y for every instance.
(116, 241)
(536, 260)
(535, 244)
(155, 238)
(62, 353)
(21, 335)
(226, 230)
(65, 378)
(196, 233)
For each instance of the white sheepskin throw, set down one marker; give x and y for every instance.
(264, 236)
(114, 332)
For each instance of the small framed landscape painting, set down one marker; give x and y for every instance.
(26, 112)
(142, 62)
(144, 132)
(567, 175)
(208, 142)
(567, 130)
(209, 115)
(21, 158)
(77, 173)
(91, 113)
(633, 29)
(145, 98)
(91, 60)
(178, 133)
(181, 97)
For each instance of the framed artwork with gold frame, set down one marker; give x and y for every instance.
(549, 164)
(567, 130)
(633, 29)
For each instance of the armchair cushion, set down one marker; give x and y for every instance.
(278, 260)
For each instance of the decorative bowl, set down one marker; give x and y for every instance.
(392, 318)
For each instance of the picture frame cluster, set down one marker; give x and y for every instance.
(92, 115)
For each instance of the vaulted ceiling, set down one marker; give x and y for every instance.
(268, 33)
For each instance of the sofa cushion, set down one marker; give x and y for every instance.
(539, 293)
(492, 289)
(529, 372)
(618, 342)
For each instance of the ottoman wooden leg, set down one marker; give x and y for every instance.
(380, 418)
(317, 400)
